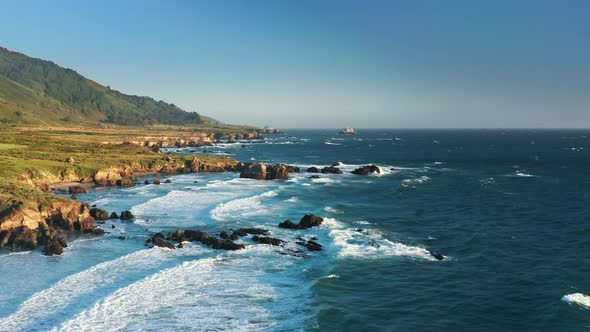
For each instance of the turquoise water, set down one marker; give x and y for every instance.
(509, 210)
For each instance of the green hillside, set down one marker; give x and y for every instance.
(39, 92)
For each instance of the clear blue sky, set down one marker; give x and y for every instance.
(313, 63)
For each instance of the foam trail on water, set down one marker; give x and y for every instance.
(243, 207)
(369, 244)
(81, 286)
(215, 293)
(577, 298)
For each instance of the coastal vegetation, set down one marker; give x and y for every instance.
(40, 92)
(60, 130)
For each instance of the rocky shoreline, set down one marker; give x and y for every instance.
(26, 228)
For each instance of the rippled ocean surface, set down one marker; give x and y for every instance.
(509, 209)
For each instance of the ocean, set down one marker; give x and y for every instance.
(509, 210)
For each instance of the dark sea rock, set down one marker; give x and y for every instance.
(313, 246)
(289, 224)
(223, 235)
(146, 182)
(126, 215)
(436, 255)
(315, 177)
(293, 169)
(157, 181)
(52, 247)
(313, 169)
(98, 231)
(55, 243)
(125, 182)
(167, 181)
(114, 216)
(74, 196)
(205, 238)
(336, 164)
(99, 214)
(309, 220)
(267, 240)
(366, 170)
(331, 170)
(158, 240)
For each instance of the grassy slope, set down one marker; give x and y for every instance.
(32, 153)
(35, 91)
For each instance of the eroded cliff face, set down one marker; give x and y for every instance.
(27, 225)
(46, 219)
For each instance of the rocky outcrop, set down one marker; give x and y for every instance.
(331, 170)
(26, 226)
(205, 238)
(110, 176)
(77, 190)
(198, 166)
(99, 214)
(436, 255)
(293, 169)
(312, 169)
(366, 170)
(126, 215)
(158, 241)
(308, 221)
(267, 240)
(261, 171)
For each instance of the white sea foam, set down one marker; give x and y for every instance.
(208, 294)
(332, 143)
(362, 222)
(80, 287)
(292, 200)
(185, 206)
(415, 181)
(353, 243)
(577, 298)
(523, 174)
(332, 210)
(243, 207)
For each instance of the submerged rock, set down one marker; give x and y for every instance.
(98, 231)
(267, 240)
(313, 246)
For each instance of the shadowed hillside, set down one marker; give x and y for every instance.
(35, 91)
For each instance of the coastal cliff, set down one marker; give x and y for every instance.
(43, 163)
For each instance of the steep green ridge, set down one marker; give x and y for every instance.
(39, 92)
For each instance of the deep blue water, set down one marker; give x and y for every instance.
(509, 210)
